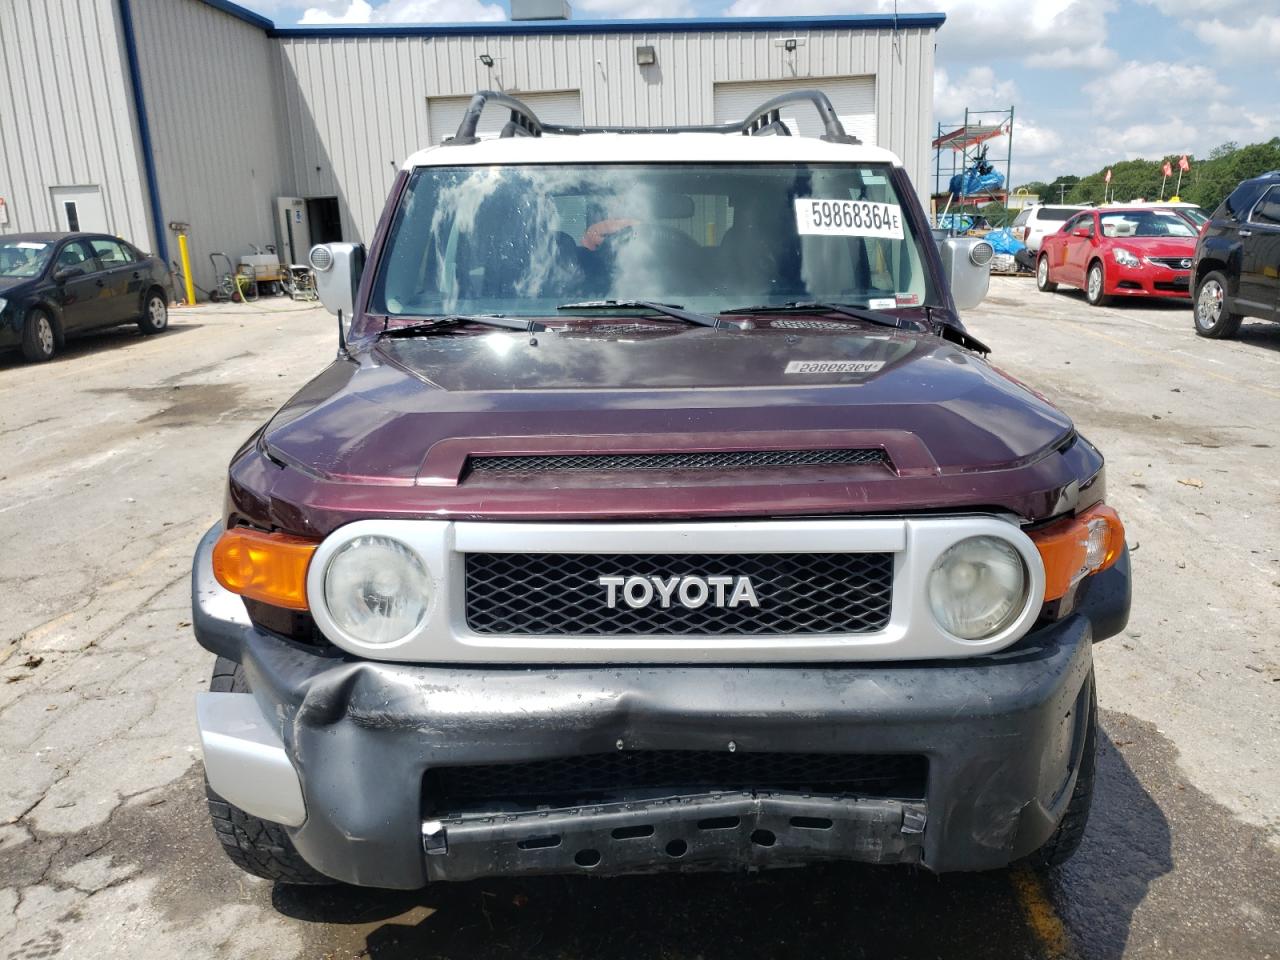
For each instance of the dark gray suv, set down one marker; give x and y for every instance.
(1237, 261)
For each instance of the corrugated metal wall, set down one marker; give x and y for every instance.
(357, 106)
(216, 127)
(66, 114)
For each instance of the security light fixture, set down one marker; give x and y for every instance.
(646, 56)
(486, 60)
(789, 45)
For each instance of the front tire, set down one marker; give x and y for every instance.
(39, 337)
(1212, 318)
(1095, 285)
(1043, 282)
(155, 314)
(256, 846)
(1065, 840)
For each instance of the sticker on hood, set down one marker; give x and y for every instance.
(848, 218)
(834, 366)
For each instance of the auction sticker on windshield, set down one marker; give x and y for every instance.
(848, 218)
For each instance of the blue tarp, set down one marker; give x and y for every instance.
(971, 181)
(1004, 241)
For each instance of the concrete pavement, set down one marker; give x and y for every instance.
(112, 463)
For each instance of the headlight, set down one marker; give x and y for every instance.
(978, 587)
(3, 303)
(377, 590)
(1124, 257)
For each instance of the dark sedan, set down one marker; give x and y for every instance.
(55, 285)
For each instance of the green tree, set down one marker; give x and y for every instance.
(1207, 183)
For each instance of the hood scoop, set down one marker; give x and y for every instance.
(526, 465)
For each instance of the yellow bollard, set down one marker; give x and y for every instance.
(186, 269)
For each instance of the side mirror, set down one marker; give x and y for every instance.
(63, 274)
(966, 263)
(338, 267)
(1080, 232)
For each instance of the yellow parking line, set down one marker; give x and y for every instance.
(1041, 917)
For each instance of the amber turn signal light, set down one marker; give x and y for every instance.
(1078, 547)
(271, 567)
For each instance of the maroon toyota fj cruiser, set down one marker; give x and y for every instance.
(657, 512)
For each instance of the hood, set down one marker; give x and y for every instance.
(396, 429)
(12, 286)
(1158, 246)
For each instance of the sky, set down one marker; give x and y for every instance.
(1091, 81)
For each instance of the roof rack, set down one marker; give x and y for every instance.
(763, 120)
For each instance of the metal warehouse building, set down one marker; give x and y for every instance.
(131, 116)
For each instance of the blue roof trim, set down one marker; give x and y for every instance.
(860, 21)
(240, 13)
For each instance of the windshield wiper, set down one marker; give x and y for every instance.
(843, 309)
(667, 309)
(450, 321)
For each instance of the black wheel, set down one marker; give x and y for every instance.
(1094, 284)
(1212, 318)
(1042, 275)
(155, 314)
(39, 336)
(1066, 839)
(256, 846)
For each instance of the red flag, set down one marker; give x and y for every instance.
(1168, 169)
(1184, 164)
(1107, 178)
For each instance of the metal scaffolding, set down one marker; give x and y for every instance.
(960, 145)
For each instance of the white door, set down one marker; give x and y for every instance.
(445, 113)
(854, 99)
(294, 228)
(78, 209)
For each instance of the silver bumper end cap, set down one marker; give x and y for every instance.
(245, 759)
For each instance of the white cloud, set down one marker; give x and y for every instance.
(1137, 89)
(630, 9)
(1258, 40)
(1062, 33)
(1034, 142)
(977, 88)
(401, 11)
(1200, 8)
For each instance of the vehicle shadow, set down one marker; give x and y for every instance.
(93, 342)
(823, 911)
(1260, 333)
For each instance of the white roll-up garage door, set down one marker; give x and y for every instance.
(445, 113)
(854, 99)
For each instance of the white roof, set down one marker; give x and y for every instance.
(649, 148)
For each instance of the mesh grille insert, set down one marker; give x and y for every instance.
(599, 776)
(692, 460)
(560, 594)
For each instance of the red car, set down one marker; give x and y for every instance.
(1120, 252)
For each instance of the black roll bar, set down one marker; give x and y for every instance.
(764, 120)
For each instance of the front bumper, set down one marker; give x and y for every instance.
(1001, 734)
(1147, 280)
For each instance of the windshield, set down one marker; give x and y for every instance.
(23, 258)
(1145, 223)
(526, 239)
(1194, 214)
